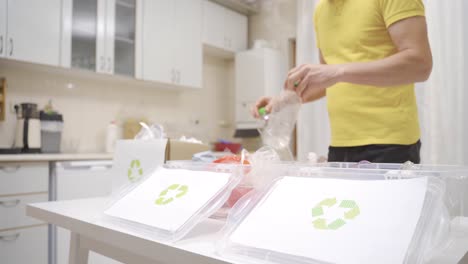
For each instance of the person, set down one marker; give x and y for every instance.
(371, 54)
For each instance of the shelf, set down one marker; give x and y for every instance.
(238, 6)
(126, 4)
(124, 40)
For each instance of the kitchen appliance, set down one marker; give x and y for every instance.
(28, 128)
(79, 180)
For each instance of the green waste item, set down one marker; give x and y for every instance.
(322, 223)
(135, 171)
(262, 111)
(181, 189)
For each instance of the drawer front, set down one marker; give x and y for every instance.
(18, 178)
(13, 210)
(27, 245)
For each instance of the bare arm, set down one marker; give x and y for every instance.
(412, 63)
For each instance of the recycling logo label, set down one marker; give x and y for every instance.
(322, 222)
(135, 171)
(171, 193)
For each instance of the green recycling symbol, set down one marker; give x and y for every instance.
(181, 191)
(135, 171)
(322, 223)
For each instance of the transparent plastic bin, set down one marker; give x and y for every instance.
(203, 211)
(431, 228)
(243, 188)
(442, 234)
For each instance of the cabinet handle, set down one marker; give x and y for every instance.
(9, 204)
(10, 238)
(109, 66)
(10, 169)
(11, 46)
(103, 63)
(1, 43)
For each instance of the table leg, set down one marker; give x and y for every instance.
(78, 254)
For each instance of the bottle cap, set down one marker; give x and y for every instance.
(262, 111)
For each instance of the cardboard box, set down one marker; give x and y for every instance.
(180, 150)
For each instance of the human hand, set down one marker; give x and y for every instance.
(313, 77)
(265, 101)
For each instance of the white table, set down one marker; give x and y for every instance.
(79, 216)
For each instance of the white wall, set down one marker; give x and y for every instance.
(95, 101)
(276, 23)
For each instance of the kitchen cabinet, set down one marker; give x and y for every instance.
(223, 28)
(30, 30)
(20, 184)
(171, 42)
(27, 245)
(99, 35)
(3, 27)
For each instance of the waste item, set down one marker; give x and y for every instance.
(278, 125)
(154, 131)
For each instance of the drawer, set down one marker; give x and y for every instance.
(13, 211)
(18, 178)
(24, 246)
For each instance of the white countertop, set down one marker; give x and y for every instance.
(55, 157)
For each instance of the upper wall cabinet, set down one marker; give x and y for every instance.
(99, 35)
(171, 42)
(30, 30)
(224, 28)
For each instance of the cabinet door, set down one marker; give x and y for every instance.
(34, 31)
(188, 44)
(124, 38)
(235, 31)
(158, 40)
(110, 22)
(3, 28)
(213, 24)
(84, 35)
(27, 245)
(101, 37)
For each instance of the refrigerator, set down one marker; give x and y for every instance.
(78, 180)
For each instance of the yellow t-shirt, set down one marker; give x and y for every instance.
(356, 31)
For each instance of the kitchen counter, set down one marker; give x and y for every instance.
(55, 157)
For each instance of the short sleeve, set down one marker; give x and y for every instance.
(396, 10)
(316, 27)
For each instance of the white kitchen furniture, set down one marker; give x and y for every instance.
(171, 42)
(100, 35)
(259, 72)
(30, 30)
(31, 178)
(80, 216)
(223, 28)
(78, 180)
(21, 184)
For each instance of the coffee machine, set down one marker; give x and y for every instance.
(28, 128)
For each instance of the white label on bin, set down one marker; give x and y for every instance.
(336, 221)
(169, 197)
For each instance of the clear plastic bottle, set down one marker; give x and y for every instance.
(111, 136)
(278, 126)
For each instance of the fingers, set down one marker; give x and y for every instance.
(295, 79)
(264, 101)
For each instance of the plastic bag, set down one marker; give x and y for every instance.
(278, 125)
(150, 132)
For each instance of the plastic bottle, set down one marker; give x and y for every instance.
(111, 136)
